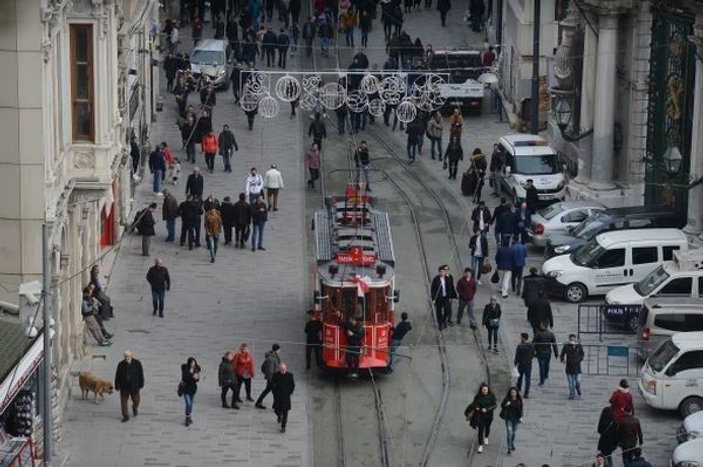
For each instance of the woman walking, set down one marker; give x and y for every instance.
(511, 412)
(491, 320)
(190, 375)
(484, 405)
(243, 364)
(454, 154)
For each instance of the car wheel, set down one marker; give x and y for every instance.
(575, 292)
(690, 405)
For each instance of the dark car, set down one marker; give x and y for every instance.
(639, 217)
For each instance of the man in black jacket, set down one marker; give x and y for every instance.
(227, 144)
(531, 196)
(259, 216)
(531, 285)
(189, 211)
(157, 166)
(355, 338)
(269, 46)
(545, 343)
(571, 356)
(524, 353)
(282, 42)
(313, 340)
(129, 380)
(481, 217)
(160, 282)
(146, 228)
(500, 209)
(194, 185)
(540, 312)
(242, 219)
(442, 292)
(361, 160)
(227, 214)
(282, 385)
(317, 130)
(399, 332)
(629, 435)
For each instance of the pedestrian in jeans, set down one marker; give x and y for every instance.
(629, 435)
(511, 412)
(157, 166)
(272, 359)
(399, 332)
(504, 264)
(518, 254)
(242, 219)
(213, 229)
(169, 213)
(243, 365)
(442, 292)
(227, 143)
(545, 343)
(571, 355)
(227, 381)
(259, 216)
(479, 251)
(466, 288)
(491, 320)
(524, 353)
(361, 160)
(434, 131)
(485, 403)
(160, 282)
(313, 340)
(190, 375)
(145, 226)
(313, 162)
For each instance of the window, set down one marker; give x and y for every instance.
(671, 321)
(82, 82)
(612, 258)
(639, 223)
(679, 286)
(574, 216)
(694, 322)
(700, 286)
(669, 252)
(644, 255)
(688, 361)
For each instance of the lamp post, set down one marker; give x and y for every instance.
(672, 159)
(562, 113)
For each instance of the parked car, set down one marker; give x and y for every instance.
(214, 57)
(691, 428)
(662, 317)
(557, 218)
(672, 377)
(640, 217)
(688, 454)
(530, 157)
(680, 277)
(609, 260)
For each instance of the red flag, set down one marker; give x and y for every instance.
(362, 286)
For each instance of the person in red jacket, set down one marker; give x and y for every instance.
(210, 146)
(621, 398)
(243, 364)
(466, 289)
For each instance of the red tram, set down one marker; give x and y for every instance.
(355, 278)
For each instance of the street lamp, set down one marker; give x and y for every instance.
(562, 112)
(673, 159)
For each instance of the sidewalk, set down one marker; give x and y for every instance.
(244, 297)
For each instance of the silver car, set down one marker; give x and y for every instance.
(557, 218)
(214, 58)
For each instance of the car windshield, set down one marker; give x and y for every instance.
(587, 253)
(551, 211)
(543, 164)
(588, 229)
(651, 281)
(208, 57)
(662, 356)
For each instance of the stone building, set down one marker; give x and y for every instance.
(77, 78)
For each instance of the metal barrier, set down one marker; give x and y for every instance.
(607, 319)
(610, 360)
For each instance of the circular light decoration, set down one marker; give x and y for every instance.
(249, 101)
(268, 107)
(311, 82)
(308, 101)
(255, 83)
(369, 84)
(333, 95)
(288, 88)
(392, 89)
(377, 107)
(433, 90)
(406, 111)
(357, 101)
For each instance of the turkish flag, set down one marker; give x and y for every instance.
(362, 285)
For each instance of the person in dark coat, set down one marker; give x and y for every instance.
(157, 166)
(443, 6)
(146, 228)
(442, 292)
(227, 214)
(136, 154)
(531, 285)
(190, 375)
(283, 385)
(453, 155)
(355, 339)
(227, 381)
(497, 212)
(608, 431)
(506, 224)
(540, 312)
(282, 44)
(491, 321)
(511, 411)
(637, 459)
(571, 356)
(129, 380)
(478, 244)
(414, 131)
(481, 217)
(524, 354)
(313, 340)
(545, 343)
(504, 264)
(259, 217)
(190, 211)
(242, 219)
(169, 212)
(629, 435)
(160, 282)
(485, 403)
(531, 196)
(194, 184)
(318, 131)
(227, 144)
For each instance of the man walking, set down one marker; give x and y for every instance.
(282, 385)
(209, 146)
(129, 380)
(227, 213)
(254, 185)
(524, 353)
(282, 43)
(273, 182)
(313, 162)
(531, 196)
(442, 292)
(169, 213)
(518, 254)
(157, 166)
(226, 379)
(545, 343)
(466, 288)
(399, 332)
(259, 216)
(572, 356)
(504, 264)
(361, 160)
(146, 228)
(160, 282)
(194, 185)
(629, 435)
(317, 130)
(539, 312)
(272, 359)
(313, 340)
(213, 229)
(242, 219)
(227, 143)
(355, 338)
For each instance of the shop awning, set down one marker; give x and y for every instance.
(19, 357)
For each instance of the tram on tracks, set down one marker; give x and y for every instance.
(355, 278)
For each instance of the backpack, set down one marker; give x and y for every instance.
(269, 365)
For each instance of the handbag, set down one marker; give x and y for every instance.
(515, 373)
(495, 278)
(444, 166)
(486, 268)
(181, 389)
(494, 323)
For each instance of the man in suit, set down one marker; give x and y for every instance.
(443, 292)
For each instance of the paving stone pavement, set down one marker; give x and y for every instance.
(244, 297)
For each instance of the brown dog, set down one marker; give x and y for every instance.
(89, 383)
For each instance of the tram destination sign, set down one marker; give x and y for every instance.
(356, 256)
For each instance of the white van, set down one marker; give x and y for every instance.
(609, 260)
(672, 377)
(662, 317)
(682, 277)
(530, 157)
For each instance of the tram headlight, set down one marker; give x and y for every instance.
(380, 270)
(333, 269)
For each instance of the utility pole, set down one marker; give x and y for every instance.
(534, 114)
(46, 307)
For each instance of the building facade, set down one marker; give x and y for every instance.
(77, 81)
